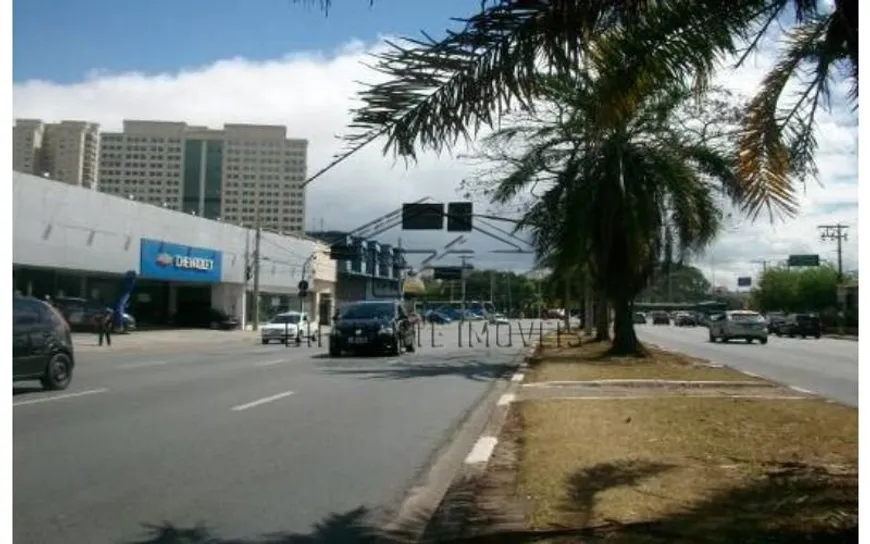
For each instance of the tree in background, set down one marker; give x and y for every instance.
(679, 283)
(812, 289)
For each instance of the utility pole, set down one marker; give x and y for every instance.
(762, 262)
(257, 236)
(247, 277)
(836, 233)
(492, 286)
(463, 274)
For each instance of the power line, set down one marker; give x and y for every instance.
(836, 233)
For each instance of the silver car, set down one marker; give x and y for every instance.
(743, 324)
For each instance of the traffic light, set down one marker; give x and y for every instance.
(459, 216)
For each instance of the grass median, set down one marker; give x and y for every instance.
(562, 359)
(690, 470)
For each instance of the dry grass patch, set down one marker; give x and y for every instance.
(569, 362)
(701, 470)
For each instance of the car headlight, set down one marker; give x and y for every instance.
(386, 330)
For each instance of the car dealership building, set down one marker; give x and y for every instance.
(73, 241)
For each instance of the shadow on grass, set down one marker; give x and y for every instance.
(792, 503)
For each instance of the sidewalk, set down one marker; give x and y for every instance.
(147, 340)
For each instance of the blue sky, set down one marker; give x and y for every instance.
(64, 40)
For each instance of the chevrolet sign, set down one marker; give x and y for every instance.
(185, 262)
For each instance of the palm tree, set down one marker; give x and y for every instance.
(439, 91)
(625, 198)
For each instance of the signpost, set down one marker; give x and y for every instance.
(803, 260)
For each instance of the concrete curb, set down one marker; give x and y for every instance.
(493, 412)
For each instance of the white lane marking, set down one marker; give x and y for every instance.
(60, 397)
(482, 450)
(258, 402)
(506, 399)
(146, 364)
(518, 377)
(801, 390)
(270, 363)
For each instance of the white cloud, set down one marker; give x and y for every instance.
(311, 93)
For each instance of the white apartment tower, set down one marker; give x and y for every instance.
(67, 151)
(234, 174)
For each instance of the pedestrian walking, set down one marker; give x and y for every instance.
(104, 327)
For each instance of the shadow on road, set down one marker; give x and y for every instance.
(24, 389)
(353, 527)
(460, 366)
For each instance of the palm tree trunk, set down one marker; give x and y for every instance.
(602, 320)
(625, 340)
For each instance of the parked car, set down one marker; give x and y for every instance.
(209, 318)
(639, 318)
(42, 346)
(82, 314)
(372, 326)
(498, 319)
(661, 318)
(288, 326)
(733, 324)
(436, 317)
(802, 325)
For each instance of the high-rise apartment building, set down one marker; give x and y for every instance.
(240, 174)
(67, 151)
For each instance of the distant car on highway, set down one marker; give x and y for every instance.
(498, 319)
(774, 321)
(42, 346)
(685, 319)
(372, 326)
(661, 318)
(639, 318)
(802, 325)
(743, 324)
(437, 318)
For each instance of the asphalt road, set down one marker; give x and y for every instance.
(826, 366)
(237, 441)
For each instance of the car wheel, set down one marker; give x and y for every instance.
(334, 351)
(265, 341)
(763, 340)
(749, 340)
(411, 346)
(396, 348)
(58, 373)
(818, 336)
(712, 338)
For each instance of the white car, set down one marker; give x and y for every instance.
(738, 324)
(288, 325)
(498, 319)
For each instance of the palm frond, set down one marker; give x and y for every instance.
(776, 147)
(439, 91)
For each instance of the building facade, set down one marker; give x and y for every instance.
(374, 272)
(241, 174)
(69, 241)
(67, 151)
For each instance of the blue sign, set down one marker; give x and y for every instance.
(161, 260)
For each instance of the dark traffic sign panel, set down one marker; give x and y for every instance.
(803, 260)
(459, 216)
(426, 216)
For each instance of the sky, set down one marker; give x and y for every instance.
(275, 62)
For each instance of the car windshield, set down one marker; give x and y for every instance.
(367, 311)
(746, 317)
(286, 318)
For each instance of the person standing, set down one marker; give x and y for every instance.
(104, 327)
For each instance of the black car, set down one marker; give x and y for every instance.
(82, 314)
(661, 318)
(685, 320)
(775, 321)
(802, 325)
(638, 318)
(41, 344)
(372, 326)
(208, 318)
